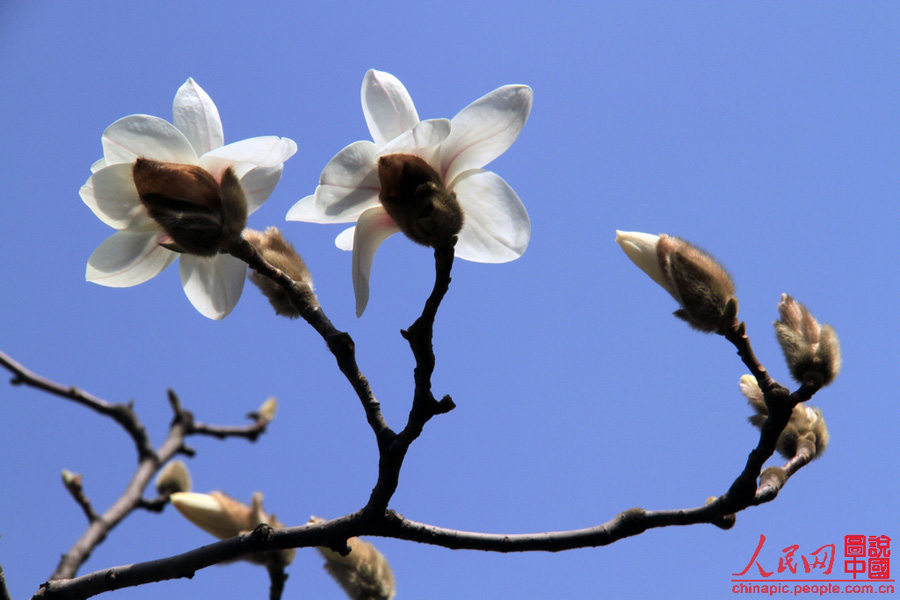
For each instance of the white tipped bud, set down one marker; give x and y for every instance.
(267, 409)
(363, 574)
(225, 517)
(812, 351)
(700, 285)
(173, 478)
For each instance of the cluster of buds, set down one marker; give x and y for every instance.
(281, 254)
(812, 351)
(805, 427)
(201, 215)
(414, 196)
(701, 285)
(363, 573)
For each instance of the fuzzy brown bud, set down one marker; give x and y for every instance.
(812, 351)
(701, 285)
(414, 196)
(201, 215)
(225, 517)
(281, 254)
(173, 478)
(805, 427)
(363, 574)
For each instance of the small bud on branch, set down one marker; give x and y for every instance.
(812, 351)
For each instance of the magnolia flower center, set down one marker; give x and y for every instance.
(414, 196)
(201, 215)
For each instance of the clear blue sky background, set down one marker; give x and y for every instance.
(765, 132)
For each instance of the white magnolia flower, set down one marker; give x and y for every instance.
(496, 228)
(137, 251)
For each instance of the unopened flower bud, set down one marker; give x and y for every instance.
(364, 573)
(173, 478)
(200, 214)
(414, 196)
(267, 409)
(281, 254)
(701, 285)
(225, 517)
(806, 425)
(812, 351)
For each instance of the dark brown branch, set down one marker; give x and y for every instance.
(339, 342)
(4, 591)
(425, 406)
(123, 414)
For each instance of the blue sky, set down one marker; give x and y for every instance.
(765, 132)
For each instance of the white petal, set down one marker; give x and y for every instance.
(266, 151)
(496, 227)
(145, 136)
(387, 106)
(111, 195)
(344, 240)
(348, 186)
(484, 130)
(641, 249)
(423, 136)
(98, 165)
(127, 258)
(374, 226)
(197, 117)
(258, 184)
(213, 285)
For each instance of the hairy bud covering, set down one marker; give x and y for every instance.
(201, 215)
(281, 254)
(225, 517)
(363, 574)
(812, 351)
(414, 196)
(701, 285)
(806, 425)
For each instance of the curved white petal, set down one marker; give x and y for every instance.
(128, 258)
(111, 195)
(98, 165)
(387, 106)
(214, 284)
(484, 130)
(145, 136)
(496, 227)
(344, 240)
(348, 185)
(374, 226)
(258, 184)
(265, 151)
(195, 114)
(423, 136)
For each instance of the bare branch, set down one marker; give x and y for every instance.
(123, 414)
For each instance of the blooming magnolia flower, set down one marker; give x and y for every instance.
(438, 162)
(191, 148)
